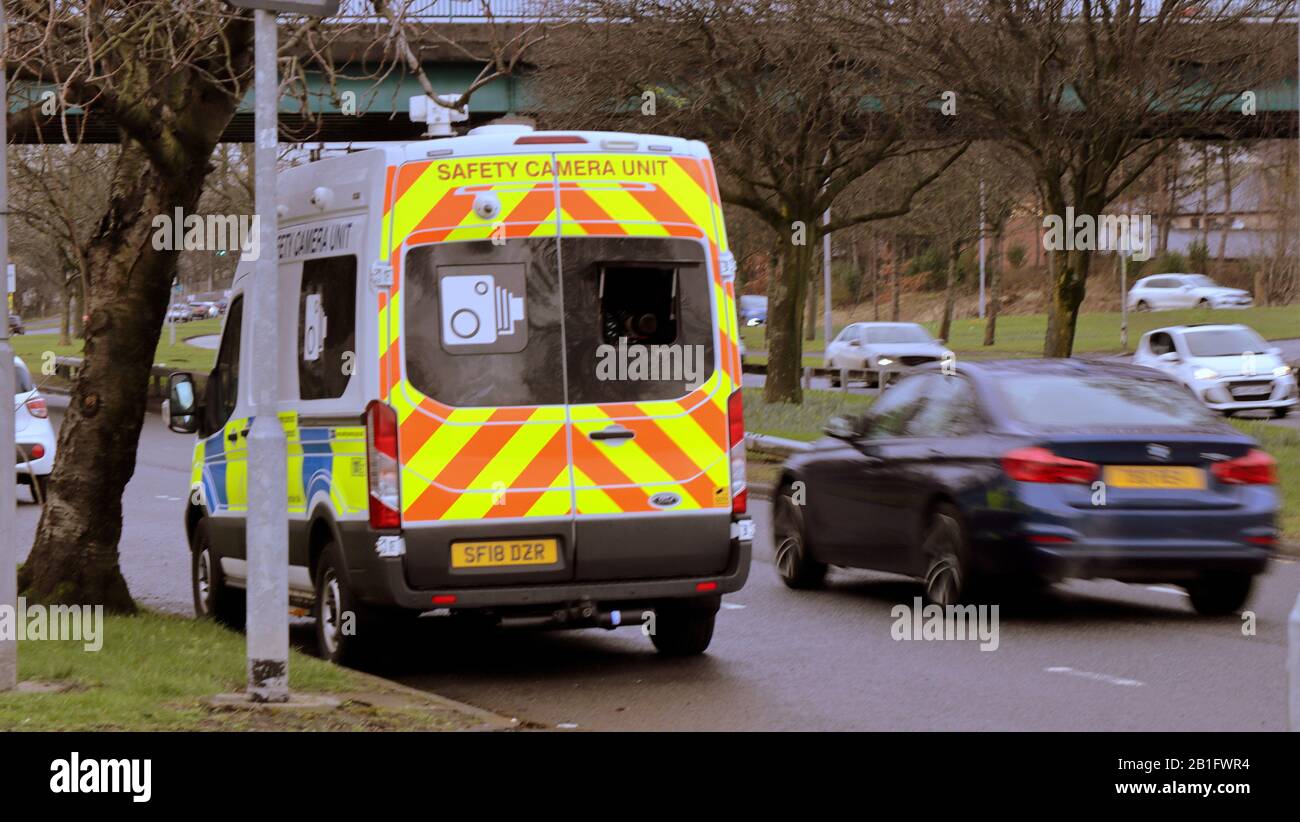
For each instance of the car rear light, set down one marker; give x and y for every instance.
(705, 587)
(548, 139)
(1049, 539)
(37, 408)
(382, 466)
(1262, 539)
(35, 452)
(1037, 464)
(1255, 468)
(444, 599)
(736, 441)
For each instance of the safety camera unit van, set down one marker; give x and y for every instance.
(510, 384)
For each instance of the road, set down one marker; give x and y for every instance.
(1089, 656)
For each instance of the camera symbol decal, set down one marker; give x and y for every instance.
(479, 311)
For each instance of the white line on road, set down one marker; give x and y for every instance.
(1107, 678)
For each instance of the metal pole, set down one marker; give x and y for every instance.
(981, 248)
(8, 485)
(1293, 663)
(268, 520)
(826, 276)
(1123, 299)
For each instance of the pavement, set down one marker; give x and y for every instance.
(1088, 656)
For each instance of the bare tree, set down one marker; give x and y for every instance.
(1089, 93)
(795, 112)
(169, 76)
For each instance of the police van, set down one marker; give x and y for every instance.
(510, 385)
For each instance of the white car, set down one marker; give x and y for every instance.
(33, 435)
(877, 347)
(1160, 292)
(1228, 367)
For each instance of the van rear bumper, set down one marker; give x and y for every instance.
(382, 581)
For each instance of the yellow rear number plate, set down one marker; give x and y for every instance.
(505, 553)
(1181, 477)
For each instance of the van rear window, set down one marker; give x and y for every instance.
(638, 318)
(483, 321)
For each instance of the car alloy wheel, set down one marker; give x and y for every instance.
(793, 565)
(944, 578)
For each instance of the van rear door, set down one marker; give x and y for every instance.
(648, 363)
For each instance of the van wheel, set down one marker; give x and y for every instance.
(213, 599)
(347, 632)
(794, 564)
(1220, 594)
(684, 629)
(946, 557)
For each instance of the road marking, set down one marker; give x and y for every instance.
(1107, 678)
(1165, 589)
(732, 606)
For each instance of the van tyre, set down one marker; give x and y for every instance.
(347, 632)
(1220, 594)
(684, 629)
(946, 557)
(213, 598)
(791, 556)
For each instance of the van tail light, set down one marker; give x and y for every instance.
(1255, 468)
(382, 466)
(36, 407)
(1037, 464)
(736, 440)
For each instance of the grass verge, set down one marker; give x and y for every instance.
(1021, 335)
(181, 356)
(154, 671)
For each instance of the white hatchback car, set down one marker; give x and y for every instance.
(876, 347)
(1228, 367)
(33, 434)
(1160, 292)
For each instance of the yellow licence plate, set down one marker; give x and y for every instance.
(503, 553)
(1180, 477)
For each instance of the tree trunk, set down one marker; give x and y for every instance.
(75, 556)
(810, 323)
(995, 278)
(875, 279)
(893, 272)
(949, 292)
(1227, 206)
(65, 321)
(785, 298)
(1069, 277)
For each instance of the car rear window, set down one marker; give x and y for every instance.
(1223, 342)
(1091, 400)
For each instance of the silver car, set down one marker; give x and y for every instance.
(882, 347)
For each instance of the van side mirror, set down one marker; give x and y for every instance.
(843, 427)
(182, 403)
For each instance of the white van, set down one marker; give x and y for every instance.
(510, 384)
